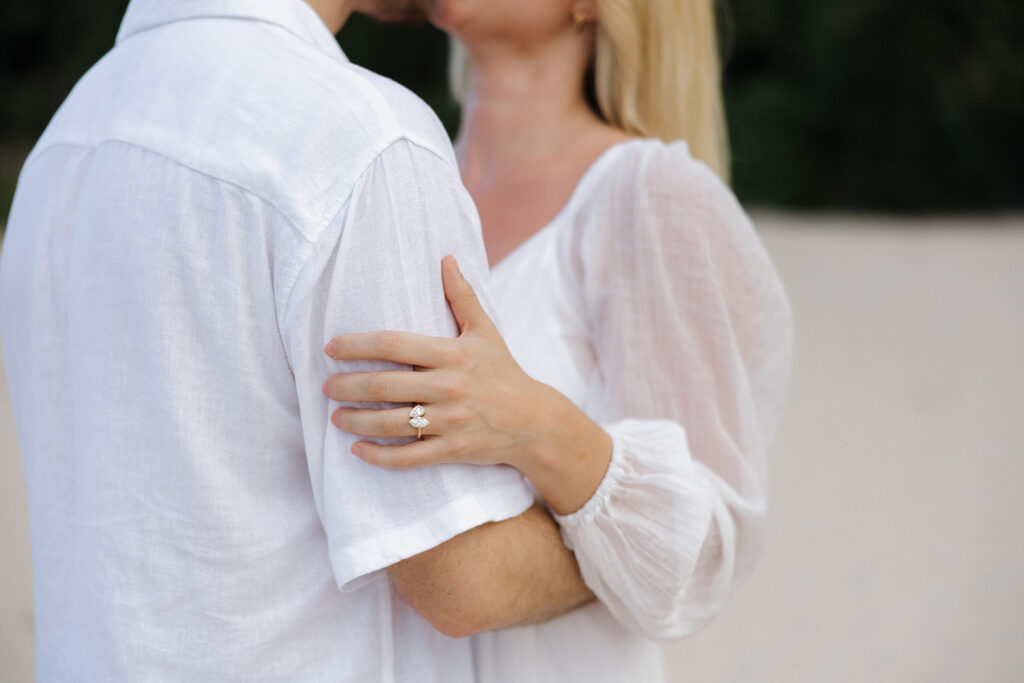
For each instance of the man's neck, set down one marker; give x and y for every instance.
(334, 13)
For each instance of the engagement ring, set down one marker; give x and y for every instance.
(418, 421)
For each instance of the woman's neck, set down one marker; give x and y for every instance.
(522, 108)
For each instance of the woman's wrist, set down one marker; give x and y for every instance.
(571, 456)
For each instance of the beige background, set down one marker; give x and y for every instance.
(895, 547)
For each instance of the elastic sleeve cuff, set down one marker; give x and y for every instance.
(598, 501)
(359, 563)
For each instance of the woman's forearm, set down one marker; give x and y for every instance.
(572, 456)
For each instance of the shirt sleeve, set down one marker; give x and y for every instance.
(692, 333)
(378, 266)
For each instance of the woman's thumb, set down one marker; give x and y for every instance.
(465, 305)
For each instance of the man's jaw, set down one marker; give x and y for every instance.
(396, 11)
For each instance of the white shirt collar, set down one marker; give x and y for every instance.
(293, 15)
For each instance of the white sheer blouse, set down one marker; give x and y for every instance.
(651, 303)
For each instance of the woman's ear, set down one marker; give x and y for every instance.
(583, 12)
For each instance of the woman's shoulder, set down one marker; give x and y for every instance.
(662, 218)
(659, 210)
(651, 189)
(667, 172)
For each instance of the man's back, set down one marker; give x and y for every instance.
(210, 206)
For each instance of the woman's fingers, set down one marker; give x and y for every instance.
(413, 454)
(390, 386)
(400, 347)
(466, 308)
(382, 423)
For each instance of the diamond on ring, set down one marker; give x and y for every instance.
(417, 420)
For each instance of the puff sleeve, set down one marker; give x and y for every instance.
(692, 333)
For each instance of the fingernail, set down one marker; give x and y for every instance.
(332, 348)
(356, 450)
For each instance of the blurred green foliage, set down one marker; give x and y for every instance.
(913, 105)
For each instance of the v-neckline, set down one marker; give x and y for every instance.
(578, 192)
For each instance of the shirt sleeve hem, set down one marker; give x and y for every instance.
(358, 563)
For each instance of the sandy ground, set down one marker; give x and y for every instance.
(894, 550)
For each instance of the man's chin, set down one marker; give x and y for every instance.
(401, 11)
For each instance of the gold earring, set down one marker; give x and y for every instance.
(579, 19)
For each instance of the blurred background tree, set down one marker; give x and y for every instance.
(913, 105)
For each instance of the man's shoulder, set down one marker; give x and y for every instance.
(248, 104)
(360, 106)
(394, 110)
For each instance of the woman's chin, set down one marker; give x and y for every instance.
(448, 16)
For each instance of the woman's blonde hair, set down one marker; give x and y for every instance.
(656, 73)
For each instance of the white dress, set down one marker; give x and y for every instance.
(651, 303)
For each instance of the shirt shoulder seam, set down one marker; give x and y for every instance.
(411, 139)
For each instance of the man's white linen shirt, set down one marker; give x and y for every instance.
(218, 197)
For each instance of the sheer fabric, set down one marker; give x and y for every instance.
(651, 303)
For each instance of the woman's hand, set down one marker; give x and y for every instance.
(482, 408)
